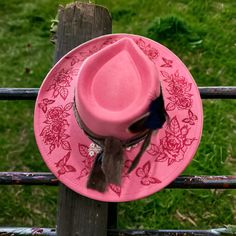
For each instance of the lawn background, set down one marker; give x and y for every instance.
(201, 33)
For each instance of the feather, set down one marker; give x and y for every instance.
(97, 179)
(142, 150)
(155, 118)
(112, 163)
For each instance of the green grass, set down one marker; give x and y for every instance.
(201, 33)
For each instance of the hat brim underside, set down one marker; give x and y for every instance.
(69, 153)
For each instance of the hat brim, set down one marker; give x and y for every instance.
(69, 153)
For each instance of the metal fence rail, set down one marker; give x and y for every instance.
(226, 92)
(17, 231)
(47, 178)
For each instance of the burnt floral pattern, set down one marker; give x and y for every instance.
(81, 56)
(61, 82)
(44, 104)
(54, 132)
(167, 62)
(143, 173)
(89, 153)
(63, 166)
(179, 90)
(173, 145)
(191, 119)
(150, 51)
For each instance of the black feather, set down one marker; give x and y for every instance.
(157, 116)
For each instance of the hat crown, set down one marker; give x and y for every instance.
(115, 87)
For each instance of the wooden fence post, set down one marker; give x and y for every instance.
(78, 215)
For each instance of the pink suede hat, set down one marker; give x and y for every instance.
(89, 103)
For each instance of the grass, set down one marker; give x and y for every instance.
(201, 33)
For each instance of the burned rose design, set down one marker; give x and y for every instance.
(173, 145)
(178, 88)
(54, 133)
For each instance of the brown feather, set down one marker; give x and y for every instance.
(112, 163)
(97, 179)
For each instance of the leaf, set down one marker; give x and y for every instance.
(186, 120)
(174, 125)
(116, 189)
(146, 167)
(63, 92)
(153, 150)
(172, 99)
(55, 93)
(47, 122)
(47, 101)
(170, 106)
(189, 141)
(167, 62)
(161, 157)
(83, 149)
(168, 134)
(65, 114)
(65, 145)
(45, 130)
(70, 168)
(65, 136)
(68, 106)
(165, 74)
(51, 87)
(170, 91)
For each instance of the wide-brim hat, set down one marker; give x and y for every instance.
(99, 89)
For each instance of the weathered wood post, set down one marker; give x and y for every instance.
(78, 215)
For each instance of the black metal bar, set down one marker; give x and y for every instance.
(16, 231)
(31, 93)
(18, 93)
(28, 178)
(204, 182)
(211, 232)
(46, 178)
(218, 92)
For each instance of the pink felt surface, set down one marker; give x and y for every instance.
(115, 87)
(69, 154)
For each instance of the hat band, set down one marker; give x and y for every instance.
(100, 140)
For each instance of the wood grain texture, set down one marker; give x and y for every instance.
(78, 23)
(78, 215)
